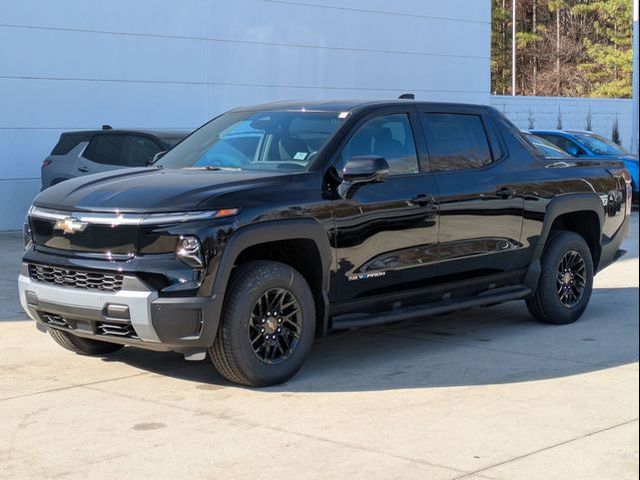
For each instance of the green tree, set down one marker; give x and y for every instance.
(500, 47)
(563, 47)
(610, 49)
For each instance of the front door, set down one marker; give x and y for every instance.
(387, 232)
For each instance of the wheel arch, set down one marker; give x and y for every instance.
(247, 241)
(565, 212)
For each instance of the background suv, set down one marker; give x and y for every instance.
(82, 153)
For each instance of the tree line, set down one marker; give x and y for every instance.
(564, 48)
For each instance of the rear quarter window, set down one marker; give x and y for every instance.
(69, 141)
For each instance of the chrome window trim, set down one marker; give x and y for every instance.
(115, 219)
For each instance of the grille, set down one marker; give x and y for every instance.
(116, 329)
(123, 330)
(64, 277)
(54, 319)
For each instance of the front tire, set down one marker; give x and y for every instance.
(83, 346)
(267, 326)
(566, 280)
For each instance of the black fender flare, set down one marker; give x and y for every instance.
(272, 231)
(575, 202)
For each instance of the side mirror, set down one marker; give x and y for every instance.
(156, 157)
(362, 169)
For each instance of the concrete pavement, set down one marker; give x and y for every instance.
(480, 394)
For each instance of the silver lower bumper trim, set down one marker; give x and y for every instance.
(138, 301)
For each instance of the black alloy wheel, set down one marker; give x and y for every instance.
(571, 278)
(566, 279)
(275, 326)
(267, 326)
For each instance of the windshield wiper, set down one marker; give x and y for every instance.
(212, 168)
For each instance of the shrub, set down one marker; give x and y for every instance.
(532, 120)
(559, 119)
(615, 132)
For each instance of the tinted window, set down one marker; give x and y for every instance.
(169, 142)
(547, 149)
(141, 151)
(107, 149)
(456, 142)
(68, 142)
(562, 142)
(600, 145)
(389, 137)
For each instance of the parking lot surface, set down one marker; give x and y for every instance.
(486, 393)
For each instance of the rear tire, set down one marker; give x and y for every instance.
(83, 346)
(267, 326)
(566, 280)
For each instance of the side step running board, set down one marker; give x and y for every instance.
(435, 308)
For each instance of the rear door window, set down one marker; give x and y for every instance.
(456, 141)
(108, 149)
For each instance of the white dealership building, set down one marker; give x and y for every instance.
(77, 64)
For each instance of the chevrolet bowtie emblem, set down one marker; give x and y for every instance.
(70, 225)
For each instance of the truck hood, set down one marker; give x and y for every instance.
(150, 190)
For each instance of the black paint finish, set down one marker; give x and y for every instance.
(388, 243)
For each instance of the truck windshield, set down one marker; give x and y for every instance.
(600, 145)
(245, 140)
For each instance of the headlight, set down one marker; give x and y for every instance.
(189, 251)
(27, 238)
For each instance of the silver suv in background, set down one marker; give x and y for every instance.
(86, 152)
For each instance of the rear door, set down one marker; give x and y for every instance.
(111, 151)
(481, 209)
(106, 151)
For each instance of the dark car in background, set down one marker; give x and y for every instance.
(96, 151)
(580, 143)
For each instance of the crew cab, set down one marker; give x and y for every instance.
(270, 226)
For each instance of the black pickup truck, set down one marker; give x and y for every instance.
(270, 226)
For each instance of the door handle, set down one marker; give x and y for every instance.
(506, 193)
(83, 169)
(422, 200)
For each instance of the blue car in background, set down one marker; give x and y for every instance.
(588, 144)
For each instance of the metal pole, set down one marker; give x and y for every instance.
(513, 48)
(634, 93)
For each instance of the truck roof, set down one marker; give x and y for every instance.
(345, 105)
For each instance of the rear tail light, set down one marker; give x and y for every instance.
(46, 163)
(629, 191)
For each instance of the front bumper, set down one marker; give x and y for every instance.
(134, 315)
